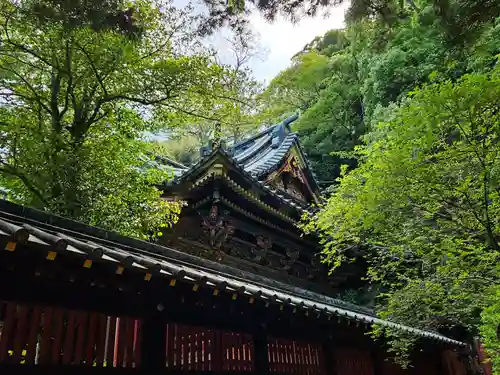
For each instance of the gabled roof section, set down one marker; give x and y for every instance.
(75, 240)
(258, 156)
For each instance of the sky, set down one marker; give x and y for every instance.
(282, 39)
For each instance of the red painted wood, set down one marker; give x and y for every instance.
(20, 333)
(190, 332)
(91, 338)
(82, 318)
(185, 347)
(170, 349)
(178, 346)
(110, 348)
(354, 361)
(70, 337)
(195, 350)
(118, 346)
(137, 342)
(129, 347)
(212, 354)
(58, 333)
(45, 344)
(33, 334)
(8, 329)
(291, 357)
(100, 339)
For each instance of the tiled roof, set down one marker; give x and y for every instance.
(267, 149)
(56, 234)
(253, 157)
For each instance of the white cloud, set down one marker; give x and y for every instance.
(283, 39)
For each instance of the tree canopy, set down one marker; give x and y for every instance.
(399, 118)
(76, 100)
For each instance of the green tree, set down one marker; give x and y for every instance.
(74, 101)
(424, 208)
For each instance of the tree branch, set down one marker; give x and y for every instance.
(7, 169)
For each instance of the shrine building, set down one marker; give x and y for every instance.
(233, 288)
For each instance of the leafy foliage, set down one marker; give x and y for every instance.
(74, 104)
(423, 205)
(350, 75)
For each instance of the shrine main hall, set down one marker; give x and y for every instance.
(234, 287)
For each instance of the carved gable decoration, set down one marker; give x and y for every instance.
(291, 178)
(217, 227)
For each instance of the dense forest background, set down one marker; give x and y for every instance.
(399, 116)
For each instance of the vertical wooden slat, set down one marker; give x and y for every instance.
(252, 354)
(190, 343)
(33, 334)
(196, 355)
(185, 346)
(20, 334)
(239, 352)
(177, 350)
(210, 350)
(225, 351)
(46, 332)
(117, 353)
(80, 338)
(137, 343)
(231, 347)
(69, 340)
(203, 338)
(170, 354)
(8, 329)
(110, 342)
(216, 354)
(286, 358)
(102, 322)
(91, 338)
(129, 349)
(58, 333)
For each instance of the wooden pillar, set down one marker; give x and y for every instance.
(261, 352)
(376, 362)
(154, 343)
(329, 358)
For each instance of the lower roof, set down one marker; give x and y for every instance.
(25, 225)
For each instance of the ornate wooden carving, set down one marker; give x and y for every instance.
(260, 251)
(217, 227)
(295, 192)
(292, 166)
(289, 261)
(315, 268)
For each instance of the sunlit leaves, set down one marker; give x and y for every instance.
(424, 206)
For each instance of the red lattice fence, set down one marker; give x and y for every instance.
(352, 361)
(292, 357)
(192, 348)
(32, 334)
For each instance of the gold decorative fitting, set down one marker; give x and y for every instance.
(256, 218)
(196, 287)
(173, 282)
(235, 295)
(51, 255)
(120, 269)
(148, 276)
(252, 300)
(11, 246)
(87, 263)
(252, 197)
(216, 292)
